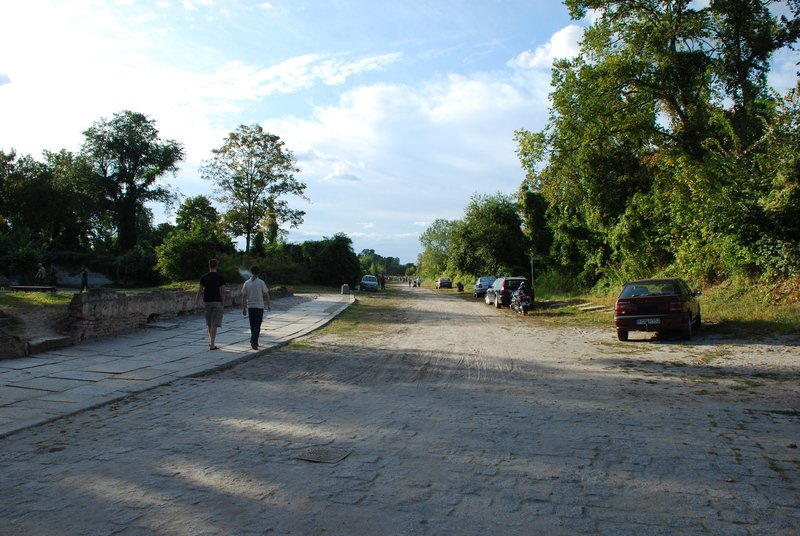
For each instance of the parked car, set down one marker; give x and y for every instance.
(444, 282)
(369, 282)
(657, 305)
(499, 293)
(481, 284)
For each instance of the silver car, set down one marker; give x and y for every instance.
(481, 284)
(369, 282)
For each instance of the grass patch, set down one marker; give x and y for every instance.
(35, 299)
(725, 310)
(712, 355)
(700, 380)
(368, 316)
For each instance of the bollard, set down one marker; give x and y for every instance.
(345, 289)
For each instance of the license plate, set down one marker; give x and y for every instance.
(645, 321)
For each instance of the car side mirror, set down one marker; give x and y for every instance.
(697, 292)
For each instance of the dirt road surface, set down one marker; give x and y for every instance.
(452, 418)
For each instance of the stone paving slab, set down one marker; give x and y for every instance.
(66, 380)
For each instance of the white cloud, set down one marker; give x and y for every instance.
(563, 44)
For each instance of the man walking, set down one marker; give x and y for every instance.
(212, 288)
(255, 295)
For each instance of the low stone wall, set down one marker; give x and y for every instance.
(100, 312)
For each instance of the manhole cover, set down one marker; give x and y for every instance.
(323, 454)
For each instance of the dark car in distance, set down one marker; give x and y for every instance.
(499, 293)
(658, 305)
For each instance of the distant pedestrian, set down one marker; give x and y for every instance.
(383, 282)
(255, 296)
(41, 275)
(212, 288)
(84, 278)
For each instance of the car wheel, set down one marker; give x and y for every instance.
(622, 334)
(687, 331)
(697, 322)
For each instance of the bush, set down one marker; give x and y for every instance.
(185, 253)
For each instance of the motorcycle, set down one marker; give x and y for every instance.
(520, 302)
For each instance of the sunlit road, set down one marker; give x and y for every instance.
(454, 418)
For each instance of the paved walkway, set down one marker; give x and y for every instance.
(61, 382)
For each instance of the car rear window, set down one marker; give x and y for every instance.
(636, 290)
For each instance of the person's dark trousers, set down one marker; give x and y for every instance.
(256, 316)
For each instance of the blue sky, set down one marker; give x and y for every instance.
(397, 111)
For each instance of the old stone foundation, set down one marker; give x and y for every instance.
(100, 312)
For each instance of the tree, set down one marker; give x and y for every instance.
(435, 242)
(489, 240)
(196, 209)
(197, 237)
(253, 170)
(128, 158)
(54, 199)
(652, 157)
(332, 261)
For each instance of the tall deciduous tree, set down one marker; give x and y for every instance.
(55, 199)
(128, 158)
(253, 170)
(489, 240)
(653, 153)
(436, 241)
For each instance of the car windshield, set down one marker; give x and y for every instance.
(648, 288)
(513, 284)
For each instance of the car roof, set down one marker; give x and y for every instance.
(663, 281)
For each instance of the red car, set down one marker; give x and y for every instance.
(657, 305)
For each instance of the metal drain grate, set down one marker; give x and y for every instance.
(323, 454)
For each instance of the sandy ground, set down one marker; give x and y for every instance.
(454, 418)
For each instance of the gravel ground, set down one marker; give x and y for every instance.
(453, 418)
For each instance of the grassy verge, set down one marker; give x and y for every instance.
(14, 306)
(726, 311)
(35, 299)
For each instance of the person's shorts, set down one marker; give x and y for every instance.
(213, 311)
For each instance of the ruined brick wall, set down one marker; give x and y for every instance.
(101, 312)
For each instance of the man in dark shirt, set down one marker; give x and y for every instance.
(212, 288)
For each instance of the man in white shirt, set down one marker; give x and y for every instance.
(255, 296)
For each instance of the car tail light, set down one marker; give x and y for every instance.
(624, 307)
(675, 307)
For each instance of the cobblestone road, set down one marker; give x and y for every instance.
(454, 421)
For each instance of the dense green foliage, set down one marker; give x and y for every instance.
(489, 240)
(71, 210)
(198, 237)
(372, 263)
(666, 150)
(127, 158)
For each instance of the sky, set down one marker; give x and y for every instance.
(397, 112)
